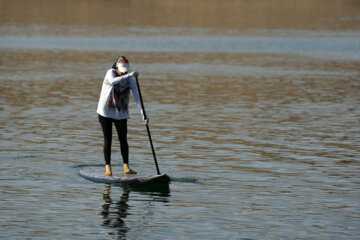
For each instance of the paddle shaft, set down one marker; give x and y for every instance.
(147, 127)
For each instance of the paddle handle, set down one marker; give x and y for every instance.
(147, 127)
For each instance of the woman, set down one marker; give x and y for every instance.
(113, 108)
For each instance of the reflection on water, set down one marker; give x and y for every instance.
(114, 212)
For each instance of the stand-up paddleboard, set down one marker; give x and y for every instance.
(127, 180)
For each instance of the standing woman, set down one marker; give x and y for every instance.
(113, 108)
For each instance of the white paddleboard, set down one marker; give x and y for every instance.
(126, 180)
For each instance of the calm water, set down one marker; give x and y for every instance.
(254, 109)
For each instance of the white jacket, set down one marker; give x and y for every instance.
(115, 95)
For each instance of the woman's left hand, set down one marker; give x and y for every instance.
(134, 74)
(144, 120)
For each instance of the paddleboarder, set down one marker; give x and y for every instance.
(113, 108)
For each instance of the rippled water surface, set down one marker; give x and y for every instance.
(254, 109)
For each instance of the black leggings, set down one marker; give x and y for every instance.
(121, 128)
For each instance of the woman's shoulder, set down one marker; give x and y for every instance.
(111, 73)
(111, 70)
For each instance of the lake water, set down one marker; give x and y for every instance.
(254, 110)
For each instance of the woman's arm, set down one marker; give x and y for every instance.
(135, 92)
(113, 79)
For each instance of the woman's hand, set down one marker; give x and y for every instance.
(134, 74)
(146, 120)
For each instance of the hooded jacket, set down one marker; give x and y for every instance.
(115, 95)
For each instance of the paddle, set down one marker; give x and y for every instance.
(147, 127)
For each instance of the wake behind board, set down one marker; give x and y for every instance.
(128, 180)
